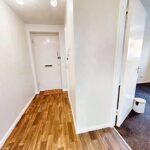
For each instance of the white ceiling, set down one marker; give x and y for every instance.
(39, 11)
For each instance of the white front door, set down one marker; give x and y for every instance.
(132, 52)
(47, 60)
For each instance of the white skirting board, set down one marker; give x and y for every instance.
(65, 90)
(3, 140)
(74, 119)
(93, 128)
(122, 139)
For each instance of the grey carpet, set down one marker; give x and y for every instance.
(136, 128)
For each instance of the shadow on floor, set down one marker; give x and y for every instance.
(136, 128)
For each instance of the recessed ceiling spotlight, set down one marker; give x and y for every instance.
(54, 3)
(20, 2)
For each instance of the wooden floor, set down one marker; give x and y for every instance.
(48, 125)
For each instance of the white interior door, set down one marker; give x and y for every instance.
(132, 52)
(47, 60)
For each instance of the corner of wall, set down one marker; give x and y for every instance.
(73, 115)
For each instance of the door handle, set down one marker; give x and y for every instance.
(48, 65)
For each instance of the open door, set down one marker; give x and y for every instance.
(135, 28)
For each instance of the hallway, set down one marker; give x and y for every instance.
(48, 125)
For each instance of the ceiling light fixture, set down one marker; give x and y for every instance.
(20, 2)
(54, 3)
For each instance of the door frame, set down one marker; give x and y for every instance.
(119, 54)
(47, 29)
(58, 53)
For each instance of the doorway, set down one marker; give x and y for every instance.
(133, 43)
(131, 125)
(47, 60)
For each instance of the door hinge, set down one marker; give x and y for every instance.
(127, 11)
(117, 112)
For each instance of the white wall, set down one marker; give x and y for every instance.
(95, 23)
(48, 29)
(16, 79)
(144, 72)
(70, 51)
